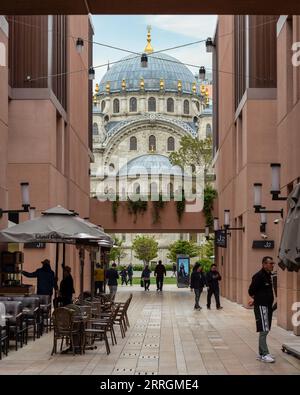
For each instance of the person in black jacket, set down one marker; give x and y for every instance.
(112, 280)
(146, 273)
(66, 288)
(261, 293)
(197, 283)
(45, 278)
(160, 272)
(212, 280)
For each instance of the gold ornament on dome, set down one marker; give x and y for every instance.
(162, 84)
(148, 47)
(97, 88)
(142, 83)
(194, 89)
(179, 86)
(107, 87)
(123, 84)
(202, 89)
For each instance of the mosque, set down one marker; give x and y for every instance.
(142, 108)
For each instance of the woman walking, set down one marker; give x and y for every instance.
(197, 283)
(146, 277)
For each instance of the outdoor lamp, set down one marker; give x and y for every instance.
(202, 73)
(263, 222)
(257, 194)
(25, 194)
(79, 44)
(209, 45)
(144, 60)
(206, 231)
(226, 218)
(32, 213)
(216, 224)
(91, 73)
(275, 187)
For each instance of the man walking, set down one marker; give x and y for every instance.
(261, 293)
(212, 279)
(197, 284)
(160, 272)
(112, 277)
(130, 273)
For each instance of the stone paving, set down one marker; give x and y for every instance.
(166, 337)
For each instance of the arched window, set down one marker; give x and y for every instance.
(132, 104)
(95, 129)
(170, 190)
(116, 106)
(171, 144)
(153, 188)
(102, 105)
(133, 144)
(152, 143)
(198, 105)
(170, 105)
(208, 130)
(136, 188)
(151, 104)
(186, 107)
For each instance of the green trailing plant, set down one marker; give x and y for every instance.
(114, 207)
(210, 195)
(180, 206)
(157, 206)
(136, 207)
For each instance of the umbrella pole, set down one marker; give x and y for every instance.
(64, 256)
(56, 269)
(81, 258)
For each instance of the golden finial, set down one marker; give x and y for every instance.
(162, 84)
(179, 86)
(148, 47)
(202, 89)
(152, 149)
(142, 83)
(123, 84)
(97, 88)
(107, 87)
(194, 88)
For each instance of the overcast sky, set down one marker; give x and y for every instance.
(130, 32)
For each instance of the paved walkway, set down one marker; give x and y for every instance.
(166, 337)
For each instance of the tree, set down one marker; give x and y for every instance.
(182, 247)
(117, 252)
(206, 254)
(145, 248)
(193, 152)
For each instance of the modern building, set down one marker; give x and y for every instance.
(45, 121)
(256, 100)
(141, 111)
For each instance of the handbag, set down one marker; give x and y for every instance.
(142, 282)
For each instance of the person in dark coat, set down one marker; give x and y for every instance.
(66, 289)
(262, 298)
(130, 273)
(45, 278)
(123, 274)
(198, 282)
(160, 272)
(146, 277)
(212, 279)
(112, 277)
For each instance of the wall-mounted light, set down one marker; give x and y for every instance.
(202, 73)
(227, 222)
(258, 201)
(209, 45)
(32, 213)
(79, 44)
(263, 222)
(25, 201)
(144, 60)
(91, 73)
(207, 232)
(275, 186)
(216, 224)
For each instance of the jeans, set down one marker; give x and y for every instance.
(197, 296)
(130, 279)
(113, 290)
(262, 344)
(216, 292)
(146, 284)
(159, 283)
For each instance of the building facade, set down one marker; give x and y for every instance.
(255, 120)
(140, 115)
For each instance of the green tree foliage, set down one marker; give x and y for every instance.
(117, 252)
(182, 247)
(145, 248)
(206, 254)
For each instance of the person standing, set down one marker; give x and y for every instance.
(146, 273)
(123, 274)
(212, 280)
(262, 298)
(197, 284)
(112, 277)
(130, 273)
(66, 288)
(99, 278)
(174, 269)
(160, 272)
(45, 278)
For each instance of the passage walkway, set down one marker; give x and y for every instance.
(166, 337)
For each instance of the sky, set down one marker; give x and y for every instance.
(130, 32)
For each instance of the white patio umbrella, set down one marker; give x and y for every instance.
(58, 225)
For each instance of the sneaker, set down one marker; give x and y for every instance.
(258, 357)
(219, 308)
(267, 358)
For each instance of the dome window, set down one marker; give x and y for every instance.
(170, 105)
(208, 130)
(186, 107)
(95, 129)
(132, 104)
(171, 144)
(133, 143)
(102, 105)
(151, 104)
(136, 188)
(152, 143)
(116, 106)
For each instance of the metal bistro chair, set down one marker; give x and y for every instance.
(31, 312)
(16, 323)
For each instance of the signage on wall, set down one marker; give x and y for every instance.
(35, 245)
(221, 238)
(264, 244)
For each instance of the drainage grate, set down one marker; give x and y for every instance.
(139, 334)
(149, 357)
(135, 343)
(129, 354)
(146, 373)
(151, 345)
(124, 370)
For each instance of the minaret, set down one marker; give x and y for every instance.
(148, 47)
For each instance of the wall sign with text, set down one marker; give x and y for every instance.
(263, 244)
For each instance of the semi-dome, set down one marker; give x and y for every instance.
(160, 67)
(152, 164)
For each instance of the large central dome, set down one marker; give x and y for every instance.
(160, 66)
